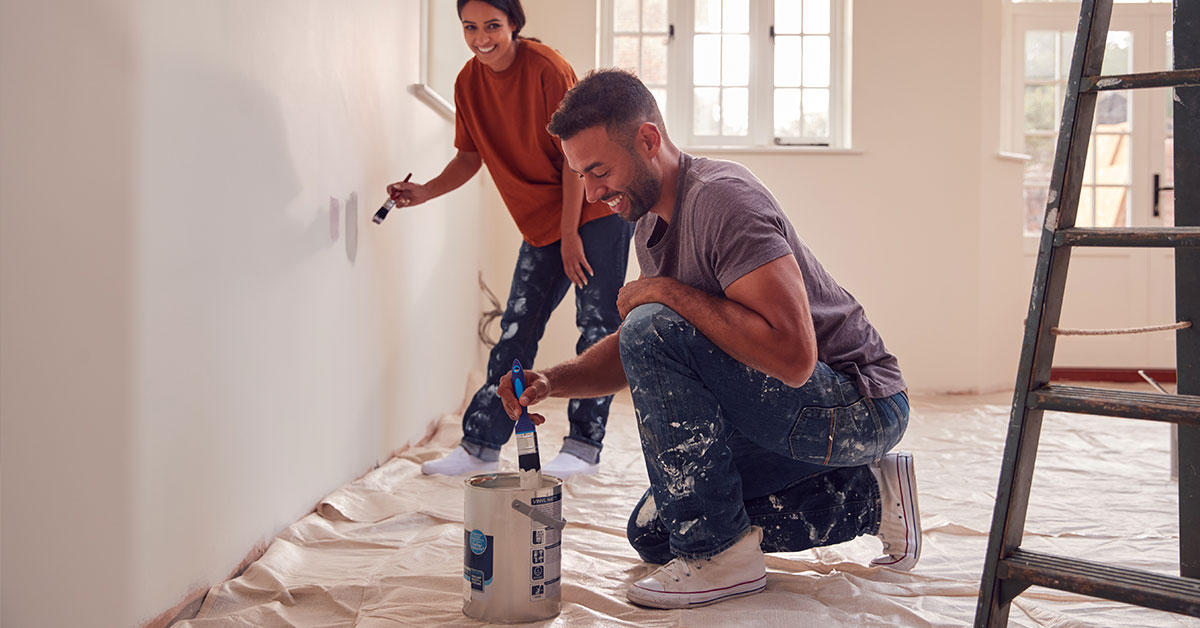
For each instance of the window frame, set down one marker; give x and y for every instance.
(760, 111)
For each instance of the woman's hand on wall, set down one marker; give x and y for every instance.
(407, 193)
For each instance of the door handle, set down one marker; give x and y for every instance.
(1158, 188)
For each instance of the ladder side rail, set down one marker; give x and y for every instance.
(1186, 15)
(1045, 306)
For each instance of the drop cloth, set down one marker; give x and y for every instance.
(386, 550)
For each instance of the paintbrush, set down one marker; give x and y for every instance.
(387, 206)
(528, 460)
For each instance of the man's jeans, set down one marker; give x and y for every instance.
(538, 286)
(727, 446)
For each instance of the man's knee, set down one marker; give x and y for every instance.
(644, 327)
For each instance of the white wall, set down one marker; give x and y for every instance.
(203, 333)
(923, 226)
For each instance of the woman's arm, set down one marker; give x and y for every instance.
(461, 168)
(575, 263)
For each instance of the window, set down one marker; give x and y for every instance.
(737, 72)
(1118, 170)
(1107, 176)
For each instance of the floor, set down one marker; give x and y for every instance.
(386, 550)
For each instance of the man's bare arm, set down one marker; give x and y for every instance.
(594, 373)
(764, 322)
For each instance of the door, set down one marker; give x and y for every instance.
(1107, 288)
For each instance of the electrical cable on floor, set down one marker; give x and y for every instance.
(489, 315)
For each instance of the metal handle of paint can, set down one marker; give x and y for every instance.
(537, 515)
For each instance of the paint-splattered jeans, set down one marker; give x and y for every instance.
(727, 446)
(538, 286)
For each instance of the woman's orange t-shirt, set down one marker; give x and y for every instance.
(503, 117)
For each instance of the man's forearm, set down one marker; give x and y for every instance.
(594, 373)
(739, 331)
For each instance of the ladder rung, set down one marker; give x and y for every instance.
(1178, 237)
(1169, 78)
(1132, 586)
(1183, 409)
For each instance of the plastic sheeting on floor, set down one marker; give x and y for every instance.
(387, 550)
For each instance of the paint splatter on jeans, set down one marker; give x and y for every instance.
(727, 446)
(538, 286)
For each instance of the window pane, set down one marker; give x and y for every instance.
(1039, 55)
(654, 16)
(735, 66)
(1089, 165)
(1111, 203)
(787, 16)
(816, 112)
(787, 61)
(735, 111)
(1039, 108)
(787, 112)
(1086, 216)
(1117, 53)
(816, 16)
(708, 16)
(1035, 207)
(1113, 164)
(625, 52)
(1112, 111)
(1066, 47)
(660, 96)
(625, 16)
(706, 111)
(706, 60)
(1041, 152)
(737, 16)
(654, 60)
(816, 61)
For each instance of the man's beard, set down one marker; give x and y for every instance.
(643, 191)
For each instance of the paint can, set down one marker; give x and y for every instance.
(512, 548)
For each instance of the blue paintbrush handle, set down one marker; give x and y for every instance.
(524, 424)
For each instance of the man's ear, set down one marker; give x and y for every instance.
(649, 139)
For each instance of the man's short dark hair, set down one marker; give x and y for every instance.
(609, 97)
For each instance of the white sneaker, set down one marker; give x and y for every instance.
(458, 462)
(565, 465)
(685, 583)
(900, 521)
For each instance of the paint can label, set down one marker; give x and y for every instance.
(545, 550)
(477, 559)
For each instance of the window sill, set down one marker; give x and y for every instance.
(1004, 155)
(773, 150)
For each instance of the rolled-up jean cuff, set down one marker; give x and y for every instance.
(720, 548)
(586, 452)
(483, 452)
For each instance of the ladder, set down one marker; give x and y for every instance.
(1008, 569)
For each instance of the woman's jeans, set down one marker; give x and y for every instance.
(538, 286)
(727, 446)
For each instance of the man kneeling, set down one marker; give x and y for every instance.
(765, 400)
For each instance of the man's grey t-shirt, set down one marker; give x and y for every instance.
(726, 224)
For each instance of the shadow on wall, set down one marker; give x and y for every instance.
(222, 288)
(420, 315)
